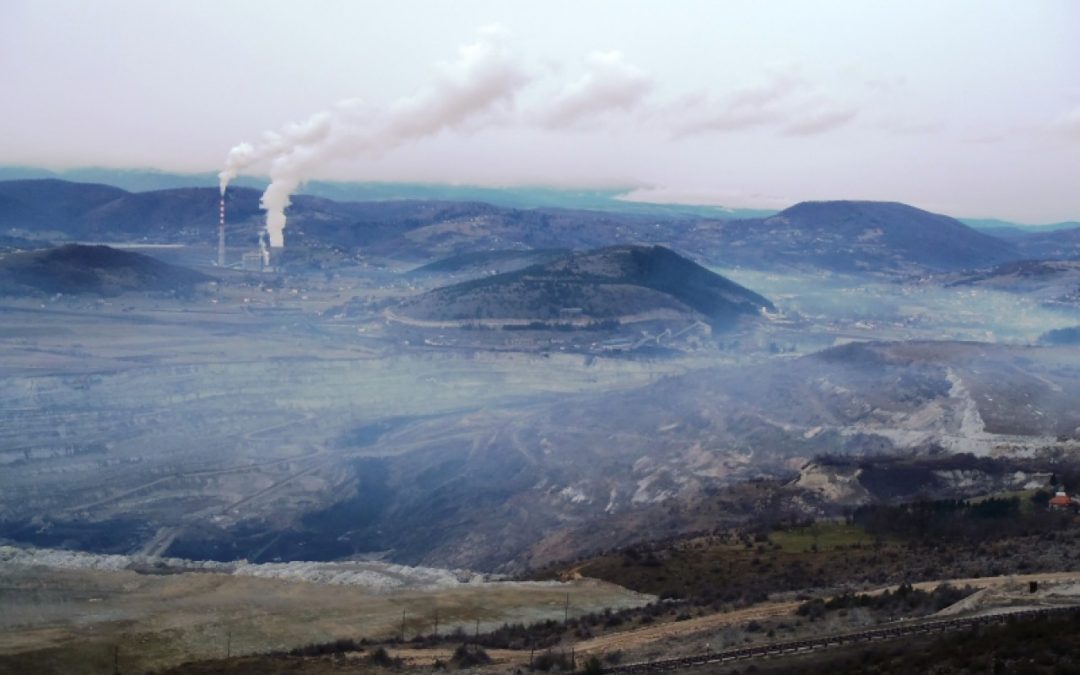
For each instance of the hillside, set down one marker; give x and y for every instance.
(34, 206)
(525, 486)
(1004, 229)
(9, 243)
(400, 229)
(1052, 282)
(487, 262)
(96, 270)
(648, 463)
(842, 236)
(1056, 244)
(49, 208)
(853, 236)
(59, 209)
(600, 285)
(518, 197)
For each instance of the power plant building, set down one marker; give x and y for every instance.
(251, 261)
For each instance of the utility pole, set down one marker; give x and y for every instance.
(403, 624)
(228, 643)
(566, 609)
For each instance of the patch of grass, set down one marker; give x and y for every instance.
(820, 537)
(1026, 505)
(717, 573)
(712, 572)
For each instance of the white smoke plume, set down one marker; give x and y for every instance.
(484, 78)
(480, 89)
(610, 84)
(274, 143)
(786, 102)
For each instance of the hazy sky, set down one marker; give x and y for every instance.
(967, 108)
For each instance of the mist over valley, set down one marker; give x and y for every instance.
(593, 338)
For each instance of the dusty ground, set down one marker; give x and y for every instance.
(70, 621)
(720, 630)
(633, 639)
(690, 636)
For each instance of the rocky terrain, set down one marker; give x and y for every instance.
(513, 487)
(258, 421)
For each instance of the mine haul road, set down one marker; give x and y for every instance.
(795, 647)
(769, 610)
(640, 637)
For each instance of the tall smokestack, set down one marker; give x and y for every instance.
(221, 233)
(480, 83)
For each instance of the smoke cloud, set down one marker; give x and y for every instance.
(610, 84)
(786, 102)
(479, 89)
(274, 143)
(819, 121)
(484, 78)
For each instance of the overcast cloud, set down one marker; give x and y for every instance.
(969, 107)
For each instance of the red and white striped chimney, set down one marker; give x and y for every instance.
(221, 233)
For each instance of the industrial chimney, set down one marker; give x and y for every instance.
(221, 233)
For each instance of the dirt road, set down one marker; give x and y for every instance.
(632, 639)
(635, 638)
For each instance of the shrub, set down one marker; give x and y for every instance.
(549, 660)
(380, 657)
(467, 656)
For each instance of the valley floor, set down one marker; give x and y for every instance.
(70, 620)
(695, 636)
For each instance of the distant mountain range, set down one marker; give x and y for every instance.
(605, 284)
(841, 236)
(1008, 230)
(1056, 244)
(144, 180)
(865, 236)
(600, 199)
(57, 209)
(94, 270)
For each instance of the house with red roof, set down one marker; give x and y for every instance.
(1062, 502)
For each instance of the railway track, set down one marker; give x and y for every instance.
(831, 641)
